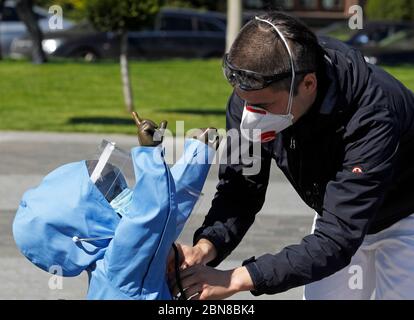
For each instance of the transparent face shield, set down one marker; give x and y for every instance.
(112, 170)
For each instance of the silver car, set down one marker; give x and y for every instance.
(12, 28)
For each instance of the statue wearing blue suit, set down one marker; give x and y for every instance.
(122, 242)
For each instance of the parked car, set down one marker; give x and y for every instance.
(375, 32)
(80, 41)
(381, 42)
(182, 33)
(395, 49)
(372, 32)
(11, 27)
(338, 30)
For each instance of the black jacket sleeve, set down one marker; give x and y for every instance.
(239, 197)
(351, 201)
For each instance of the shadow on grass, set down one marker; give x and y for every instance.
(101, 120)
(201, 112)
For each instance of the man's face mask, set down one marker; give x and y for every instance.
(259, 125)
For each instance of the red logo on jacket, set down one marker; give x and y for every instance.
(357, 170)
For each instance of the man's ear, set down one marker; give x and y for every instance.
(310, 83)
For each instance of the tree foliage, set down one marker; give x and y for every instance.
(121, 15)
(395, 10)
(72, 9)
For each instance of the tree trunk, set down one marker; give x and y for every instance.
(24, 9)
(126, 81)
(234, 21)
(1, 20)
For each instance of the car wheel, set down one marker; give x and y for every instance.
(86, 55)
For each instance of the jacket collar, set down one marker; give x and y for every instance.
(321, 115)
(330, 96)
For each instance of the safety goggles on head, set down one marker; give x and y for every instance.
(249, 80)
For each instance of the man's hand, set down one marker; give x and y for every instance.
(205, 283)
(149, 134)
(202, 253)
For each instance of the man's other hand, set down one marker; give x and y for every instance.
(206, 283)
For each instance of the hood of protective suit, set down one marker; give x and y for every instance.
(64, 206)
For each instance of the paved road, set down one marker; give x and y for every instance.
(27, 157)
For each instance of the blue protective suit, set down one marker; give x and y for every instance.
(129, 259)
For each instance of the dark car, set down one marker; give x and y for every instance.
(381, 42)
(375, 32)
(12, 28)
(177, 33)
(80, 41)
(395, 49)
(182, 33)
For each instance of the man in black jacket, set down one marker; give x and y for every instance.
(342, 131)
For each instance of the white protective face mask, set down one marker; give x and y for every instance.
(259, 125)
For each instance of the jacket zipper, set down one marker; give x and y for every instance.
(297, 165)
(292, 143)
(293, 165)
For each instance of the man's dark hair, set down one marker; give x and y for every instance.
(259, 48)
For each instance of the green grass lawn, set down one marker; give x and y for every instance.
(80, 97)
